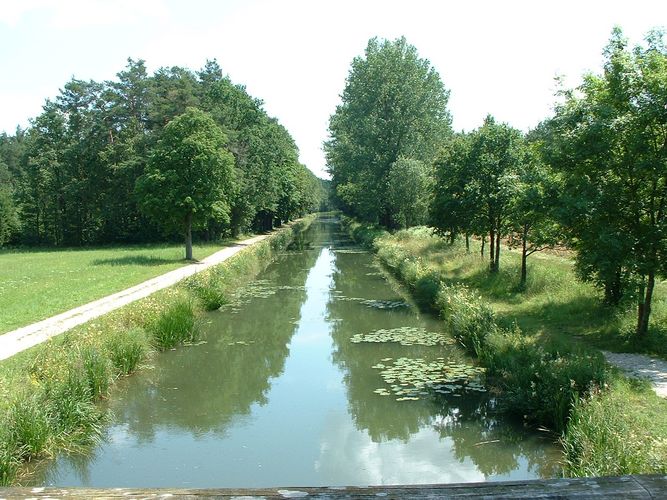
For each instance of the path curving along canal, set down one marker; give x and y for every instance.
(298, 383)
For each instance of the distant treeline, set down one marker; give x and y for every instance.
(592, 178)
(70, 178)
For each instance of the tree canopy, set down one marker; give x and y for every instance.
(394, 106)
(189, 178)
(73, 171)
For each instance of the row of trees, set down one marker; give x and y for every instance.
(87, 169)
(592, 177)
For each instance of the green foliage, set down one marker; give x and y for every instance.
(9, 463)
(174, 325)
(541, 381)
(9, 219)
(28, 423)
(469, 319)
(126, 348)
(408, 191)
(189, 177)
(607, 139)
(394, 106)
(72, 174)
(617, 432)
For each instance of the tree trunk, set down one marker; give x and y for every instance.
(644, 306)
(467, 243)
(524, 258)
(492, 250)
(188, 236)
(613, 291)
(481, 251)
(496, 264)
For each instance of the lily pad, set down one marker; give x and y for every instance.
(406, 335)
(416, 377)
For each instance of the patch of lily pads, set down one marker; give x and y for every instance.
(375, 303)
(405, 335)
(412, 378)
(258, 289)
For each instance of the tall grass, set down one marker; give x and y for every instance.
(175, 324)
(49, 393)
(617, 432)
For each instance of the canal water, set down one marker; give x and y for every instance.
(287, 390)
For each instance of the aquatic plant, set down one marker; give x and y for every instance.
(405, 335)
(411, 378)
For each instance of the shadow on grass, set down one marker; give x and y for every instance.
(136, 260)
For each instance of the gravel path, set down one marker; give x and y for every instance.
(641, 366)
(28, 336)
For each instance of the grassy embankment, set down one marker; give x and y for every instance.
(37, 284)
(48, 394)
(538, 347)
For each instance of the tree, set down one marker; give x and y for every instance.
(453, 210)
(189, 177)
(393, 106)
(610, 143)
(408, 192)
(532, 211)
(9, 220)
(497, 154)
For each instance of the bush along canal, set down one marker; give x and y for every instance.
(316, 373)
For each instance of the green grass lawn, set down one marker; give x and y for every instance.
(38, 283)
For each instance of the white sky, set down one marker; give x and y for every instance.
(497, 57)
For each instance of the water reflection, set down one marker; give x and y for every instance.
(280, 396)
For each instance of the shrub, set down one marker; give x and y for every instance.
(470, 320)
(208, 291)
(70, 403)
(541, 382)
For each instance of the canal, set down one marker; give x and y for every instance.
(319, 373)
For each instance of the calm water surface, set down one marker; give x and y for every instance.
(278, 396)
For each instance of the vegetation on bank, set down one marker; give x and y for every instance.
(36, 284)
(535, 343)
(591, 178)
(48, 394)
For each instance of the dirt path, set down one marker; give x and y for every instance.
(641, 366)
(23, 338)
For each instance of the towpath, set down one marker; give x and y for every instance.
(28, 336)
(641, 366)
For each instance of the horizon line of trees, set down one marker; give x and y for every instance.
(593, 177)
(79, 174)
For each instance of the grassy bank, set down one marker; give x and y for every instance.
(48, 394)
(538, 347)
(37, 284)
